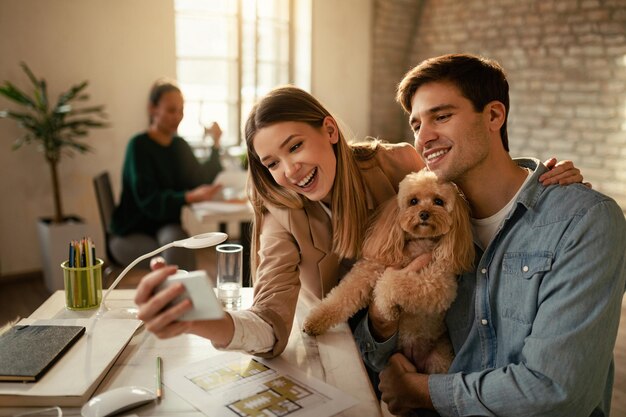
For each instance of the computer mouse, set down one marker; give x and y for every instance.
(116, 401)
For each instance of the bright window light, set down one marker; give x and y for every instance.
(229, 53)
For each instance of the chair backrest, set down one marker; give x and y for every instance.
(106, 202)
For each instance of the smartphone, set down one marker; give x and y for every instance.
(199, 290)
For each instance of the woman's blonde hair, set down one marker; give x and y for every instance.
(348, 203)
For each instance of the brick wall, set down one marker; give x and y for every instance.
(395, 23)
(566, 64)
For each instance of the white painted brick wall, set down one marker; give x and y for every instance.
(565, 59)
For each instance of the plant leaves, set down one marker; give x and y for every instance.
(41, 100)
(57, 128)
(71, 94)
(13, 93)
(15, 115)
(44, 94)
(24, 119)
(85, 110)
(80, 147)
(78, 123)
(66, 108)
(30, 74)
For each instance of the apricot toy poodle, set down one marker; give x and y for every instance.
(427, 216)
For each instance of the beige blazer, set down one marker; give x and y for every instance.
(295, 244)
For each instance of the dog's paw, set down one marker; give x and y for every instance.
(386, 308)
(317, 322)
(391, 312)
(385, 302)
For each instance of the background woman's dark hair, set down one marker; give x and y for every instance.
(159, 88)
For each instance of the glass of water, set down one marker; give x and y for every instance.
(229, 275)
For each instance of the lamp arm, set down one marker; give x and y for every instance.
(130, 266)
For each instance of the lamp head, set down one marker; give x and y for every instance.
(200, 241)
(203, 240)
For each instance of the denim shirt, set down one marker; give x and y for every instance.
(534, 326)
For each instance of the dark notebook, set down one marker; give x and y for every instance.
(27, 352)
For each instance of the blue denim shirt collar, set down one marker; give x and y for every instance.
(533, 188)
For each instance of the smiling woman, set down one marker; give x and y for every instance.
(312, 195)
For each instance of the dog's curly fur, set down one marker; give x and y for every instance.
(428, 216)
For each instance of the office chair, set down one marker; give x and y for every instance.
(106, 205)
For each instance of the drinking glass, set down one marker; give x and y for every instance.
(229, 275)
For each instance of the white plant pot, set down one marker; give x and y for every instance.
(54, 242)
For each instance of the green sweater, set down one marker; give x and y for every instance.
(154, 181)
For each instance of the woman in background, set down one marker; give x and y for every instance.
(160, 175)
(312, 194)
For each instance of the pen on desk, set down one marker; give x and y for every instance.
(159, 389)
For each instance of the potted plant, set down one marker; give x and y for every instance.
(56, 128)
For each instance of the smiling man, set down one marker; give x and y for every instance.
(534, 325)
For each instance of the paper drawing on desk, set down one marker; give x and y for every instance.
(235, 384)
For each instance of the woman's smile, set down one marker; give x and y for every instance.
(306, 181)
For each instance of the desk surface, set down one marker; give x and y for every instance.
(332, 357)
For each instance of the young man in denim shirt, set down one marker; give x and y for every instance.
(534, 326)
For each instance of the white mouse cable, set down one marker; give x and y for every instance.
(43, 410)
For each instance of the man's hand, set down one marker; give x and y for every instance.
(402, 388)
(381, 328)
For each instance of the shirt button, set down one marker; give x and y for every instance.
(484, 322)
(525, 268)
(484, 270)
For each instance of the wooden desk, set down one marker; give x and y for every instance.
(332, 357)
(202, 218)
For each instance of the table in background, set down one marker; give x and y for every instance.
(215, 216)
(332, 357)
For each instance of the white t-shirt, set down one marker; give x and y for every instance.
(485, 229)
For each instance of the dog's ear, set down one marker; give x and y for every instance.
(384, 239)
(457, 245)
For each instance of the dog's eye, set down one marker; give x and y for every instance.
(438, 202)
(413, 202)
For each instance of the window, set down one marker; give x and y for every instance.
(229, 53)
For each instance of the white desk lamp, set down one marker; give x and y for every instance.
(200, 241)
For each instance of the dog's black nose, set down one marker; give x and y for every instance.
(424, 215)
